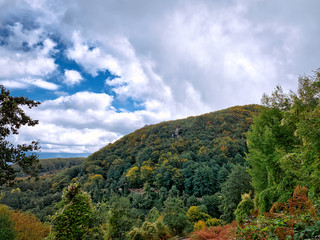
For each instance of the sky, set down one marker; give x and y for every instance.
(104, 68)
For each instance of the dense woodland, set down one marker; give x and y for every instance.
(255, 165)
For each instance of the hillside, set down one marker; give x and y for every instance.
(54, 165)
(193, 156)
(177, 153)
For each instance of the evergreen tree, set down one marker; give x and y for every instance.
(238, 183)
(76, 218)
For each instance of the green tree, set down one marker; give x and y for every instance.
(244, 208)
(212, 203)
(204, 182)
(175, 216)
(120, 218)
(195, 214)
(238, 183)
(76, 218)
(12, 117)
(283, 143)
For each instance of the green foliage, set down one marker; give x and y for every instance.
(7, 230)
(156, 231)
(194, 214)
(53, 165)
(75, 218)
(120, 218)
(244, 209)
(212, 203)
(238, 183)
(175, 216)
(212, 222)
(39, 197)
(160, 154)
(284, 143)
(12, 117)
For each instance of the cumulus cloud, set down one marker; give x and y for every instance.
(93, 60)
(172, 59)
(25, 58)
(72, 77)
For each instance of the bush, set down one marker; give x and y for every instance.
(215, 233)
(199, 225)
(155, 231)
(194, 214)
(295, 219)
(212, 222)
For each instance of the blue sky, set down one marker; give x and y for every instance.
(102, 69)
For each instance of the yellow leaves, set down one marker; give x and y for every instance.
(28, 226)
(133, 175)
(146, 173)
(17, 190)
(199, 225)
(96, 177)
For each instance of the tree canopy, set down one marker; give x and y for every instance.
(12, 118)
(284, 143)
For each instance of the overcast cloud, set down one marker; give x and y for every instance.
(165, 60)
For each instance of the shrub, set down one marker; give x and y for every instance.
(194, 214)
(199, 225)
(295, 219)
(212, 222)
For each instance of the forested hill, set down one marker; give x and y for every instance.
(177, 153)
(54, 165)
(190, 157)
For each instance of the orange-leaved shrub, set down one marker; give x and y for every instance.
(216, 233)
(296, 219)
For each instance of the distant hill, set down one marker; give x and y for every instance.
(54, 165)
(174, 152)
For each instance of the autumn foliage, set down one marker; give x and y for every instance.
(294, 219)
(28, 226)
(216, 233)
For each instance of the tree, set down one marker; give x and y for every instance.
(283, 143)
(121, 217)
(76, 218)
(238, 183)
(12, 117)
(6, 225)
(174, 215)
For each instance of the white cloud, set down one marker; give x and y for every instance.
(28, 82)
(72, 77)
(174, 59)
(24, 68)
(92, 59)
